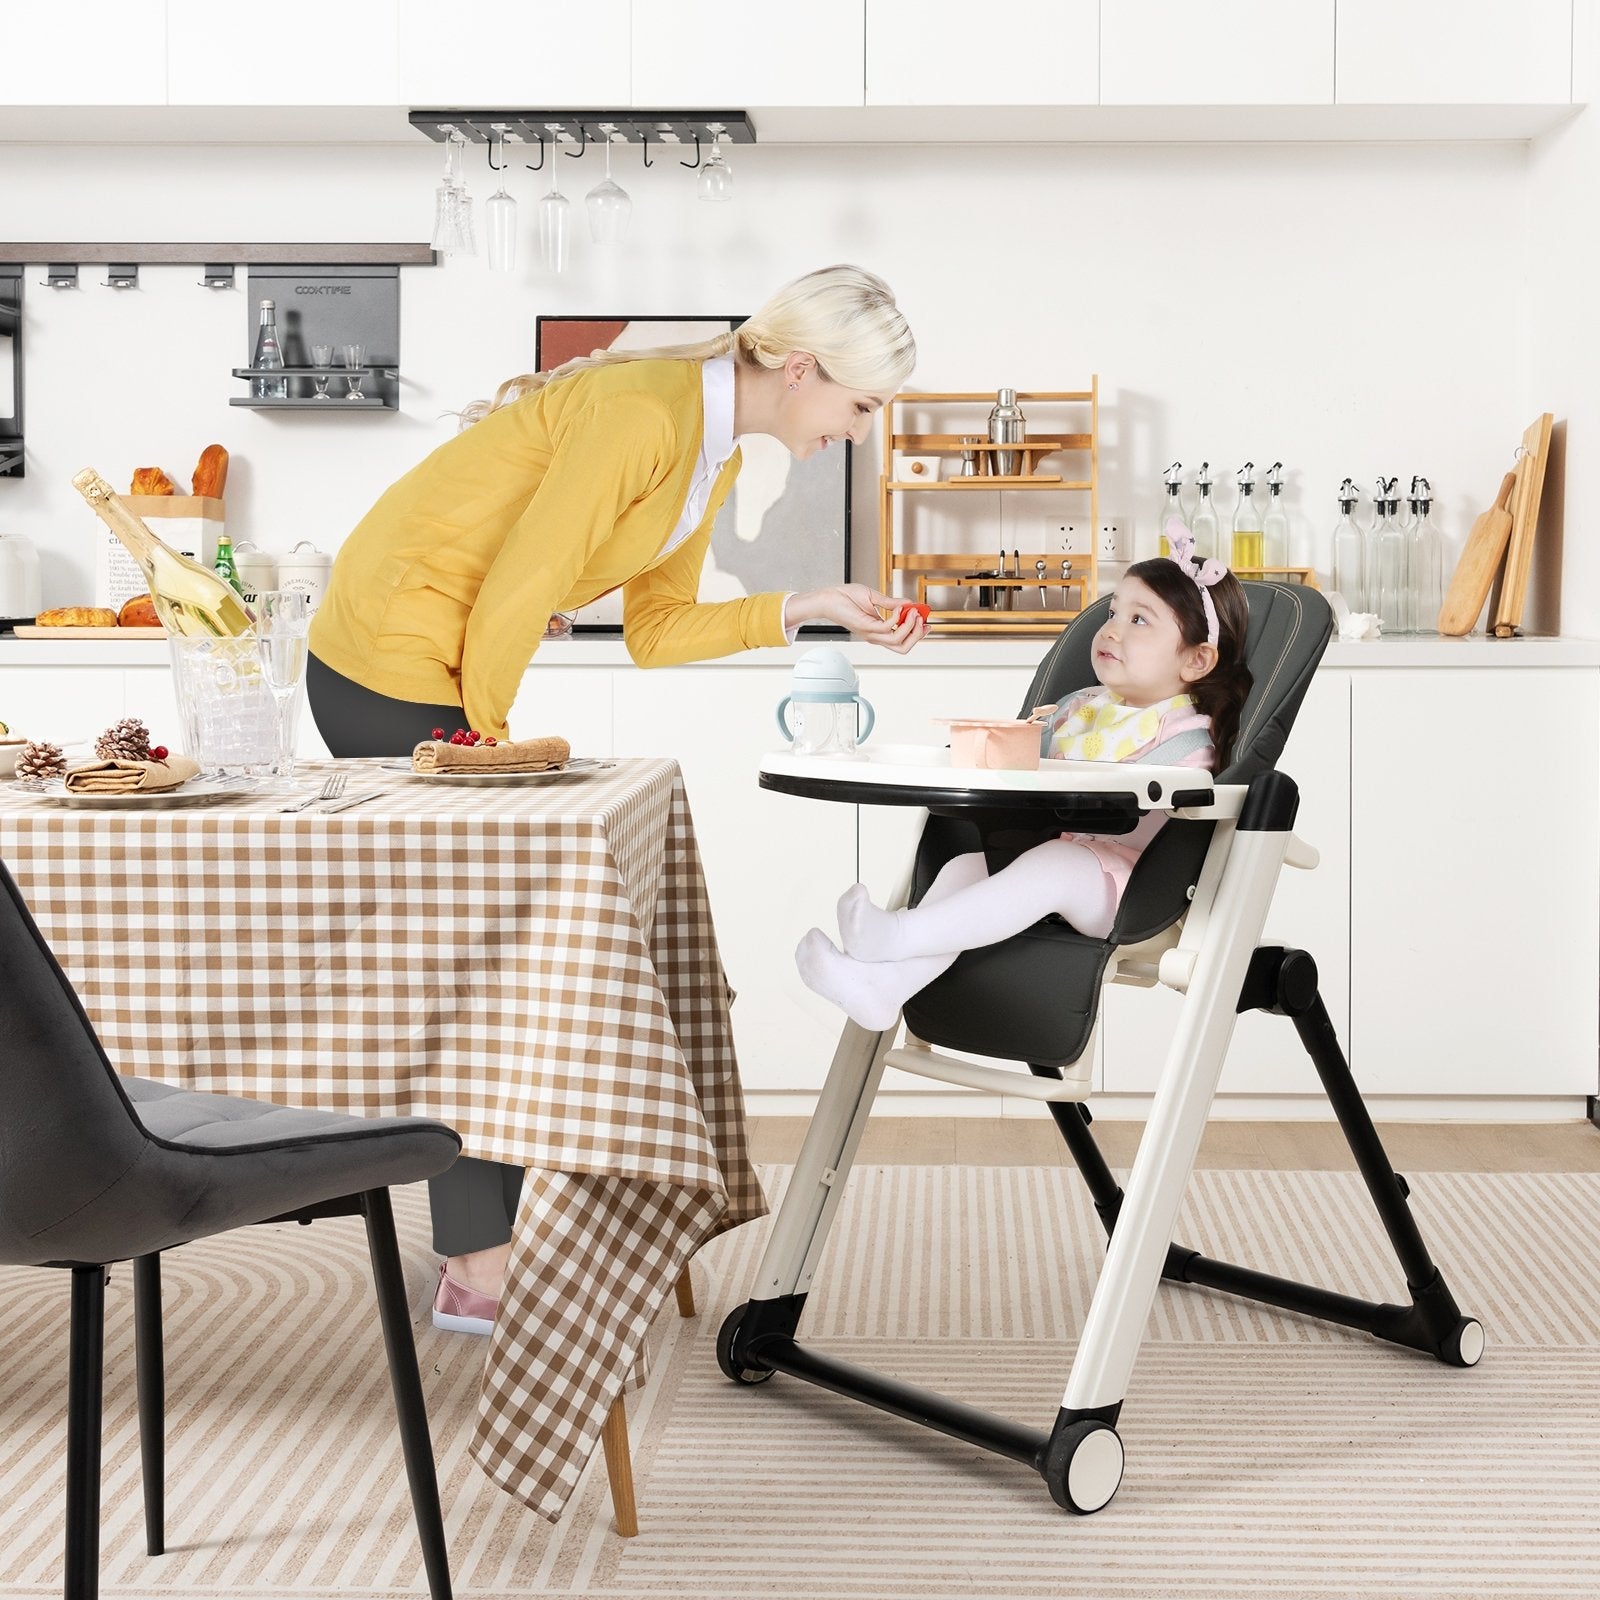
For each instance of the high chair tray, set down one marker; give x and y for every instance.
(1106, 796)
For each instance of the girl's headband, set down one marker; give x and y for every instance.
(1205, 573)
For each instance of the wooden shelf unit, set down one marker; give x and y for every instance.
(968, 573)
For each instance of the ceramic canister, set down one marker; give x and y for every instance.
(305, 568)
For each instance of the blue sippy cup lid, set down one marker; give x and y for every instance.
(823, 674)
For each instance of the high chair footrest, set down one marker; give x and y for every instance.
(926, 1063)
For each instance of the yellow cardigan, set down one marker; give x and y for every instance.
(442, 592)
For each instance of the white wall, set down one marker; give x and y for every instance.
(1346, 308)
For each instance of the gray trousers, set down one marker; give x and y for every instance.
(475, 1202)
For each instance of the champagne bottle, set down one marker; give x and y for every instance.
(188, 599)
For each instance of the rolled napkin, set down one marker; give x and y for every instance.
(515, 755)
(118, 775)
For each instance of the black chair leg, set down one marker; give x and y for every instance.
(150, 1375)
(407, 1384)
(84, 1391)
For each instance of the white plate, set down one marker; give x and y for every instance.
(577, 767)
(196, 792)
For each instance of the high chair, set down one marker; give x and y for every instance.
(1191, 920)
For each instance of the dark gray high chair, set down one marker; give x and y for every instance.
(97, 1168)
(1191, 919)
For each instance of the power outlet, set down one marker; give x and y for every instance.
(1113, 541)
(1070, 538)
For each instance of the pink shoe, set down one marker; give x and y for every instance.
(458, 1309)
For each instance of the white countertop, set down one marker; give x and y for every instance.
(593, 651)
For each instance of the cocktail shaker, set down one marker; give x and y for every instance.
(1006, 427)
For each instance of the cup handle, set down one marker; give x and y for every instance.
(866, 705)
(783, 726)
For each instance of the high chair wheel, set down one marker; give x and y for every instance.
(1083, 1467)
(727, 1336)
(1463, 1347)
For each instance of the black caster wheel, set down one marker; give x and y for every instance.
(1463, 1346)
(1083, 1467)
(727, 1336)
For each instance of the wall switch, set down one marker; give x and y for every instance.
(1113, 542)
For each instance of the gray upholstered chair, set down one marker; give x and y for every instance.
(97, 1168)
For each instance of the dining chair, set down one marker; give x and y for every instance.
(98, 1168)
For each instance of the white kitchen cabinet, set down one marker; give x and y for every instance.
(515, 57)
(774, 864)
(1217, 53)
(67, 708)
(300, 53)
(942, 53)
(717, 58)
(1475, 873)
(1454, 52)
(91, 53)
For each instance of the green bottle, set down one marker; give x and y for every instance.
(224, 567)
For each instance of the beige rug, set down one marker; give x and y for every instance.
(1266, 1455)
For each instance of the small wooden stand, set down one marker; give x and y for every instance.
(1010, 591)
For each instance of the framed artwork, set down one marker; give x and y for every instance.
(785, 524)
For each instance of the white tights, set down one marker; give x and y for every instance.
(889, 955)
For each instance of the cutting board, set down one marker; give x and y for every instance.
(1524, 524)
(1480, 560)
(23, 631)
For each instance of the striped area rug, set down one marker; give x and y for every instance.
(1266, 1455)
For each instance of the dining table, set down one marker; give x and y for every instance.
(533, 962)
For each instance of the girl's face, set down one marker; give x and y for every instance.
(821, 412)
(1139, 651)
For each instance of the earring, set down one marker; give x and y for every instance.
(794, 385)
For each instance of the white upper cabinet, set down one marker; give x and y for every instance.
(515, 57)
(1217, 53)
(91, 53)
(942, 53)
(298, 53)
(1455, 52)
(725, 57)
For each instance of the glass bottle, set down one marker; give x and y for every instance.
(1425, 560)
(1244, 550)
(1173, 507)
(1349, 552)
(1389, 595)
(224, 566)
(268, 357)
(1203, 524)
(1275, 524)
(190, 599)
(1005, 427)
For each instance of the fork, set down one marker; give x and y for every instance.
(332, 788)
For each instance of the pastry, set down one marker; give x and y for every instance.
(77, 617)
(152, 480)
(139, 612)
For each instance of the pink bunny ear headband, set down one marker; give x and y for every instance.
(1205, 573)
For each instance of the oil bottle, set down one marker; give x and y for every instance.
(1171, 507)
(1275, 524)
(1244, 551)
(1203, 523)
(1349, 564)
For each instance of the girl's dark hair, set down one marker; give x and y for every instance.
(1221, 694)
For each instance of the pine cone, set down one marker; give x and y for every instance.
(41, 760)
(129, 740)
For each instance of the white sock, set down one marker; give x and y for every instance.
(870, 993)
(871, 934)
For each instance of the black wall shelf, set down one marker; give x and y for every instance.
(96, 253)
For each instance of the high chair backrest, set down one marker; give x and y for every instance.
(1290, 625)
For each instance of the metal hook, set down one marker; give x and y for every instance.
(529, 165)
(500, 134)
(691, 165)
(583, 144)
(644, 146)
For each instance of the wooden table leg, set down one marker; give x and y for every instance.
(619, 1469)
(685, 1292)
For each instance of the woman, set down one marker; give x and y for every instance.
(606, 473)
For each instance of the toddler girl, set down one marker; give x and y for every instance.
(1172, 681)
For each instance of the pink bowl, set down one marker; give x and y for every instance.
(994, 744)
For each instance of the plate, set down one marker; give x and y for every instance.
(196, 792)
(577, 767)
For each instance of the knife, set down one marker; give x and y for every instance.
(352, 800)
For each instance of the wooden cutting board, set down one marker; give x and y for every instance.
(1524, 524)
(1480, 560)
(27, 631)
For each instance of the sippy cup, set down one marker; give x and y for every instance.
(824, 695)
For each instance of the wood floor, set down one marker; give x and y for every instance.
(1302, 1146)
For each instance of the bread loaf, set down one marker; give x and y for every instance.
(139, 612)
(77, 617)
(211, 471)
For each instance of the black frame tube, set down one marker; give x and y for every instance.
(85, 1388)
(151, 1384)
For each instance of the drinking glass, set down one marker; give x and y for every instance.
(609, 207)
(500, 220)
(321, 356)
(282, 619)
(452, 209)
(716, 176)
(555, 221)
(354, 359)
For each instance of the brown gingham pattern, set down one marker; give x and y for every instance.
(535, 965)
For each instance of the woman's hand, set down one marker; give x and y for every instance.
(856, 606)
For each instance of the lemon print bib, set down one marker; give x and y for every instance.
(1104, 727)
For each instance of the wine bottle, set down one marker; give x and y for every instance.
(188, 599)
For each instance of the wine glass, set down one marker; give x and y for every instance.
(452, 213)
(282, 620)
(500, 220)
(716, 176)
(321, 356)
(354, 359)
(608, 205)
(555, 215)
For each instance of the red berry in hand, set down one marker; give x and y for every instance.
(438, 733)
(158, 753)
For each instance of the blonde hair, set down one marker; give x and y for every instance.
(844, 316)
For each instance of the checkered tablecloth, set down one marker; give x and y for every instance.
(534, 965)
